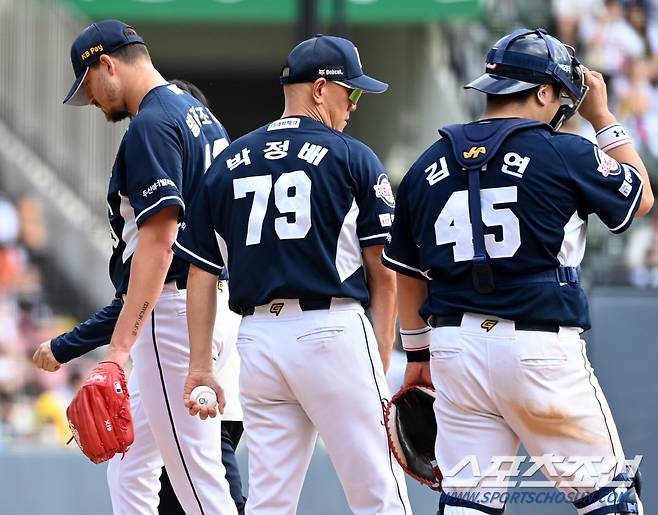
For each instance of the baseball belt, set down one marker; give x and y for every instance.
(304, 305)
(456, 321)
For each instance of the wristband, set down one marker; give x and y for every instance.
(415, 356)
(612, 136)
(416, 339)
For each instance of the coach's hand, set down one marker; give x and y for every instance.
(418, 373)
(44, 359)
(203, 378)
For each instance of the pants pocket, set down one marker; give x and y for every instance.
(544, 361)
(323, 334)
(444, 354)
(244, 339)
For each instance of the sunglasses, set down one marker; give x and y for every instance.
(355, 95)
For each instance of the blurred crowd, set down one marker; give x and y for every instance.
(32, 402)
(619, 38)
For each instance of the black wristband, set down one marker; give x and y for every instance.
(415, 356)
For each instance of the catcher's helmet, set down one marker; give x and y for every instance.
(527, 58)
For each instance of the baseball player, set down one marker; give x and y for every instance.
(97, 331)
(171, 140)
(488, 235)
(298, 213)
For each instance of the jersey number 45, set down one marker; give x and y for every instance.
(454, 224)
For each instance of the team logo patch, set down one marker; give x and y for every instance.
(384, 191)
(488, 325)
(276, 308)
(474, 152)
(117, 387)
(607, 165)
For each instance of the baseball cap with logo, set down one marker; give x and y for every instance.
(103, 37)
(333, 58)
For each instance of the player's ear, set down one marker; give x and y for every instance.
(319, 90)
(106, 62)
(545, 94)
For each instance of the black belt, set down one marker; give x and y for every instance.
(456, 321)
(304, 305)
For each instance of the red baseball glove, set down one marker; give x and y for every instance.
(411, 429)
(99, 416)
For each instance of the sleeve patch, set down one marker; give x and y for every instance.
(386, 219)
(607, 165)
(384, 191)
(627, 186)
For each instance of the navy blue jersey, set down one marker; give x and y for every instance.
(536, 195)
(161, 160)
(288, 208)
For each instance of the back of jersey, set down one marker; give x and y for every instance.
(161, 162)
(291, 205)
(536, 194)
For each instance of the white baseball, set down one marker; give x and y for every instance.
(204, 396)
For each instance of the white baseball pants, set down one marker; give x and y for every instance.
(165, 433)
(309, 373)
(499, 387)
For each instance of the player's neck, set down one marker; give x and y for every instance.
(530, 110)
(511, 111)
(145, 78)
(303, 110)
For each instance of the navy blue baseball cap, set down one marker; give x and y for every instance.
(103, 37)
(333, 58)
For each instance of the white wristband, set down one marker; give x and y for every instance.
(416, 339)
(612, 136)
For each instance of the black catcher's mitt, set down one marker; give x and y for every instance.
(411, 429)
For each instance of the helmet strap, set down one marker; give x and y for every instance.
(565, 112)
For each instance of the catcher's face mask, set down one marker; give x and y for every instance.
(570, 101)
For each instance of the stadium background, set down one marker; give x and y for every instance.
(55, 163)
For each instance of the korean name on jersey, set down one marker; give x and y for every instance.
(536, 196)
(295, 201)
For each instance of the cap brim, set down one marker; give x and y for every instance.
(498, 85)
(77, 95)
(365, 83)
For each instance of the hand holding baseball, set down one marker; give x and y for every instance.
(203, 395)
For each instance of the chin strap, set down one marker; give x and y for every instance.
(565, 112)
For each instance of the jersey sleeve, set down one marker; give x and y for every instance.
(89, 335)
(374, 197)
(401, 252)
(607, 188)
(153, 162)
(196, 242)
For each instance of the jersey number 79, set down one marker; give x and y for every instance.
(298, 203)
